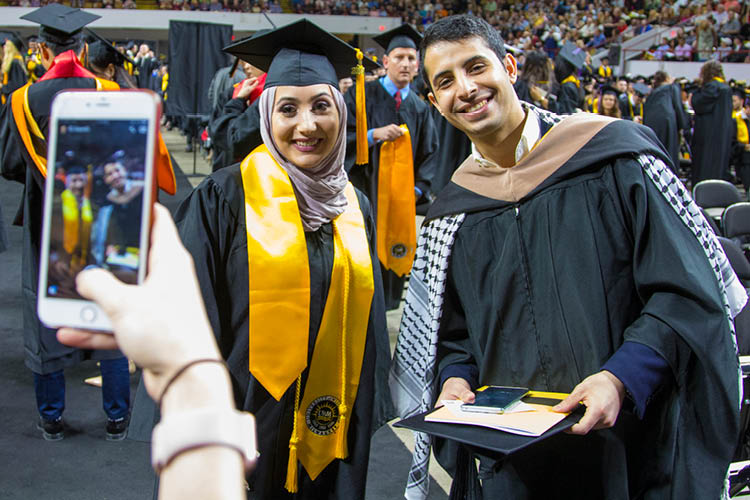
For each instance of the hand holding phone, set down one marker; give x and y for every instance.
(98, 198)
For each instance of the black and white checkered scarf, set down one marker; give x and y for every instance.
(413, 377)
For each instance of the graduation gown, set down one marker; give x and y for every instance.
(16, 79)
(211, 222)
(453, 148)
(594, 256)
(663, 112)
(712, 131)
(234, 130)
(569, 98)
(44, 354)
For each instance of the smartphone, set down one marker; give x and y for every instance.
(98, 198)
(495, 399)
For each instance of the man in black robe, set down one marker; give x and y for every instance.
(713, 127)
(565, 256)
(61, 43)
(663, 112)
(391, 101)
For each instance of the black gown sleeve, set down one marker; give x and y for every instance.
(679, 110)
(679, 290)
(237, 130)
(426, 158)
(568, 98)
(207, 227)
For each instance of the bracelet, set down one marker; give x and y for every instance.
(182, 370)
(201, 427)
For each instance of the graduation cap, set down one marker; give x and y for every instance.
(14, 38)
(403, 36)
(300, 54)
(608, 89)
(59, 23)
(573, 54)
(103, 51)
(641, 89)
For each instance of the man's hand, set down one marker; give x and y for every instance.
(387, 133)
(456, 388)
(248, 85)
(602, 393)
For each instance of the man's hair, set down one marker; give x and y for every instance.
(75, 43)
(459, 28)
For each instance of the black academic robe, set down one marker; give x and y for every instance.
(712, 131)
(44, 354)
(569, 98)
(453, 148)
(381, 111)
(591, 258)
(17, 78)
(663, 112)
(234, 130)
(212, 226)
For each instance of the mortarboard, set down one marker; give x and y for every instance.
(59, 23)
(101, 49)
(14, 38)
(403, 36)
(573, 54)
(299, 54)
(609, 89)
(641, 89)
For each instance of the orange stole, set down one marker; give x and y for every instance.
(396, 218)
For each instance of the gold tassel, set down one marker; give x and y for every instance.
(341, 444)
(291, 468)
(359, 72)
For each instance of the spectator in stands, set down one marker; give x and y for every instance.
(705, 40)
(683, 51)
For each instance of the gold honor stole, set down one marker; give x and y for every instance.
(396, 219)
(742, 134)
(279, 317)
(572, 78)
(76, 228)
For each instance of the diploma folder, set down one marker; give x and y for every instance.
(491, 442)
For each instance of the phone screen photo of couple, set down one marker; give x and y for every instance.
(97, 202)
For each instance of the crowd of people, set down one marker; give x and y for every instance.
(560, 251)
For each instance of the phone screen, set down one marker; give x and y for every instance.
(495, 398)
(97, 203)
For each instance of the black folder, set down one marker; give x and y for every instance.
(490, 442)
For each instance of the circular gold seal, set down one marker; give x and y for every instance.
(322, 416)
(398, 250)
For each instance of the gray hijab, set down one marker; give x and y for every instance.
(319, 190)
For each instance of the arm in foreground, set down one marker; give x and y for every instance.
(162, 326)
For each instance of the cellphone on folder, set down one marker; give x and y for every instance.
(98, 198)
(495, 399)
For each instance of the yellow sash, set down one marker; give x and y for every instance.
(572, 78)
(76, 229)
(396, 219)
(742, 134)
(279, 302)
